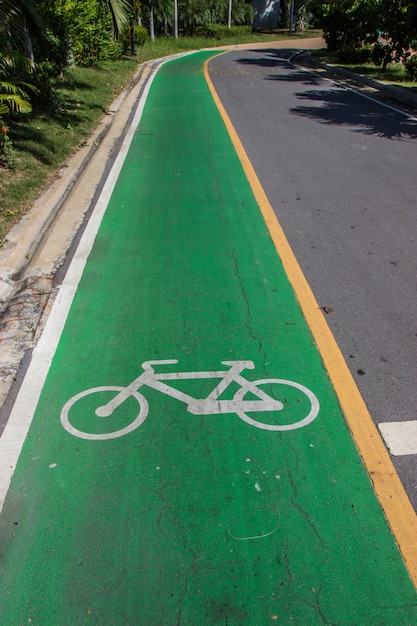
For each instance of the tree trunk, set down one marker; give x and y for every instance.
(27, 45)
(176, 19)
(132, 40)
(152, 26)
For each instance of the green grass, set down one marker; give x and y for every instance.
(167, 46)
(45, 139)
(394, 74)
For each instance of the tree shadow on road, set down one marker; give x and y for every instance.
(336, 104)
(339, 106)
(274, 59)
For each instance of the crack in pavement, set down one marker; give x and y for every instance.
(248, 323)
(189, 571)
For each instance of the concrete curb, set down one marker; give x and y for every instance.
(25, 237)
(402, 96)
(396, 93)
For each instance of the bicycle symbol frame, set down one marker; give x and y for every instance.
(211, 405)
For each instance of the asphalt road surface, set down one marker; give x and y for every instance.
(339, 170)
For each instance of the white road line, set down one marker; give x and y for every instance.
(355, 90)
(21, 416)
(409, 117)
(400, 437)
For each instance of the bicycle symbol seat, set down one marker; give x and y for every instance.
(259, 401)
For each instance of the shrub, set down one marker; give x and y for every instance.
(382, 54)
(411, 66)
(91, 32)
(45, 96)
(236, 31)
(221, 31)
(14, 96)
(349, 54)
(336, 24)
(6, 146)
(141, 35)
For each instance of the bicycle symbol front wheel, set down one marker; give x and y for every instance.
(67, 419)
(299, 404)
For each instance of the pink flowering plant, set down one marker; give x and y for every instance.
(6, 146)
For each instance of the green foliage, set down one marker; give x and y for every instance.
(164, 16)
(196, 17)
(90, 32)
(411, 66)
(381, 53)
(221, 31)
(13, 91)
(398, 28)
(350, 25)
(82, 32)
(141, 35)
(336, 24)
(85, 32)
(119, 11)
(191, 14)
(44, 140)
(242, 13)
(13, 100)
(349, 54)
(52, 50)
(6, 147)
(19, 22)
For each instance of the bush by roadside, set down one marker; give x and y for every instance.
(379, 30)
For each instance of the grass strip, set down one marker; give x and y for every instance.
(394, 74)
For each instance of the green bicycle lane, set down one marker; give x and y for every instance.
(191, 519)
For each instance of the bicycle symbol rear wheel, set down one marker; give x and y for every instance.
(66, 423)
(299, 423)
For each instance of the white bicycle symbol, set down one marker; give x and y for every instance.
(211, 405)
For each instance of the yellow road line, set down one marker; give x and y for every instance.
(387, 485)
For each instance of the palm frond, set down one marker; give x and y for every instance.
(15, 103)
(120, 10)
(13, 94)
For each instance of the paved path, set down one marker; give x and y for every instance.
(149, 513)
